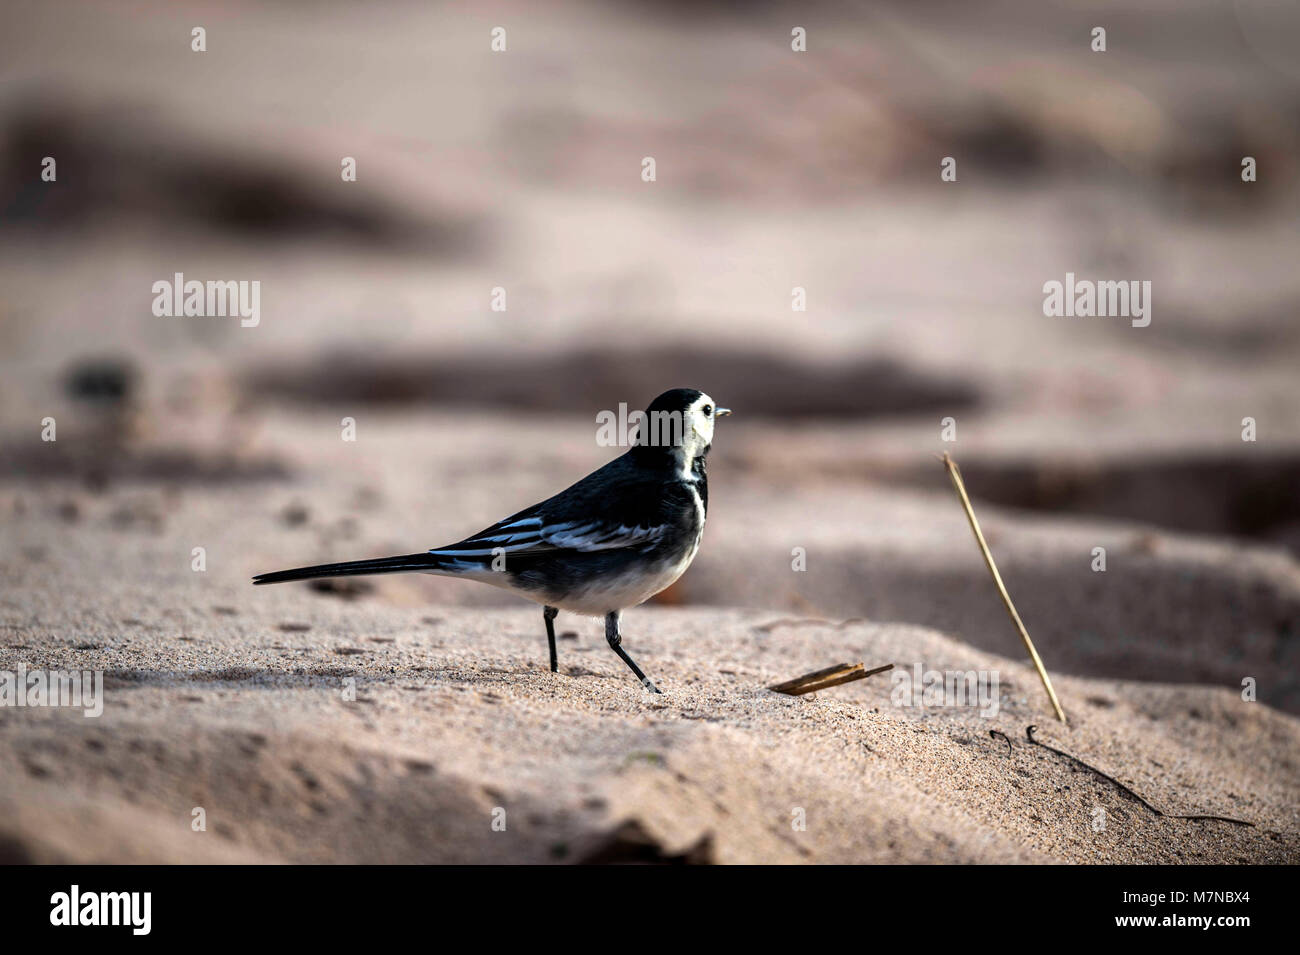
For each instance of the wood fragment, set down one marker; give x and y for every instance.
(960, 485)
(824, 679)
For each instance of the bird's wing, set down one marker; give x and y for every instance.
(534, 535)
(606, 510)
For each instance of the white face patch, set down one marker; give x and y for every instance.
(699, 424)
(697, 432)
(687, 434)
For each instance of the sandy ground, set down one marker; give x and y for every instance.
(776, 170)
(456, 716)
(232, 699)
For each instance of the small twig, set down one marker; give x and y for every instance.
(957, 482)
(997, 733)
(824, 679)
(1029, 734)
(801, 621)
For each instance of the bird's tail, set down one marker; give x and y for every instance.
(407, 563)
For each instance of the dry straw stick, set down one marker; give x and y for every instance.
(955, 474)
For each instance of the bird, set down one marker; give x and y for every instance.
(606, 544)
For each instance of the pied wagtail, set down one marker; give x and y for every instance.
(612, 541)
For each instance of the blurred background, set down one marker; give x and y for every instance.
(775, 169)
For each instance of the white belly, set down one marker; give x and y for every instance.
(626, 590)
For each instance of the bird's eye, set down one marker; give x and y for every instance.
(708, 410)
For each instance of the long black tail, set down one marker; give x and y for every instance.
(352, 568)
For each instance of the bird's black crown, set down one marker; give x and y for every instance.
(678, 399)
(664, 426)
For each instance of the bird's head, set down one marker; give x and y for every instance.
(681, 421)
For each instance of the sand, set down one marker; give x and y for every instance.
(457, 719)
(776, 170)
(234, 699)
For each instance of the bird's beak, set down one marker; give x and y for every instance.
(721, 412)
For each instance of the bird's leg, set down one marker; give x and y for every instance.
(615, 641)
(548, 614)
